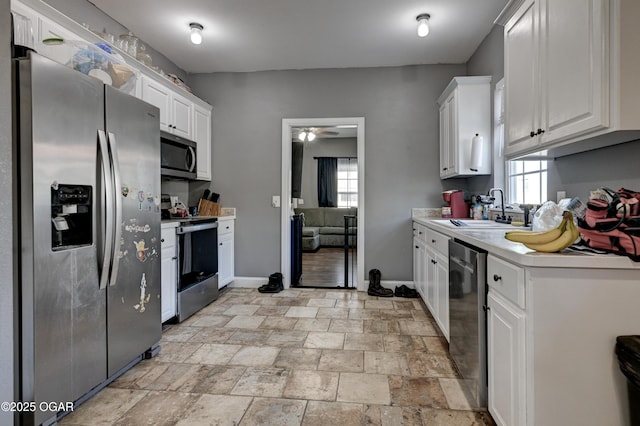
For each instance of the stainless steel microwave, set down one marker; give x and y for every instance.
(177, 156)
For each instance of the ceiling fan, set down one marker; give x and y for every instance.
(308, 134)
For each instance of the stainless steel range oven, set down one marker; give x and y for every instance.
(197, 265)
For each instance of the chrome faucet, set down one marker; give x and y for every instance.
(503, 218)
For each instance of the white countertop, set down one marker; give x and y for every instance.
(493, 241)
(174, 221)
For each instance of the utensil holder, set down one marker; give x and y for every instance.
(208, 208)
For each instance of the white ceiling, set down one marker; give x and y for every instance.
(255, 35)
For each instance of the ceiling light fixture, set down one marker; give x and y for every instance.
(423, 24)
(306, 135)
(196, 32)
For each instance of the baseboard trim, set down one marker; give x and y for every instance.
(248, 282)
(392, 284)
(256, 282)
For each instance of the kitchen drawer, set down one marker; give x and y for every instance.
(438, 241)
(225, 227)
(507, 279)
(420, 232)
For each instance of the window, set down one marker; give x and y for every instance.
(525, 181)
(347, 182)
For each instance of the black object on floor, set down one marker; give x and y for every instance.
(404, 291)
(375, 289)
(628, 351)
(275, 284)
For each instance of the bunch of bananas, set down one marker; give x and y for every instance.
(551, 241)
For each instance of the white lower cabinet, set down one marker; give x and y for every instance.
(506, 350)
(506, 361)
(420, 260)
(441, 273)
(169, 273)
(551, 330)
(437, 288)
(226, 256)
(431, 273)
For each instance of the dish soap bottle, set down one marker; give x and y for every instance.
(478, 212)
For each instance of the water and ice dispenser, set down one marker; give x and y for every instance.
(71, 216)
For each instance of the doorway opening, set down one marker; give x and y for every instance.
(330, 257)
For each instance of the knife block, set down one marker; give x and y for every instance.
(208, 208)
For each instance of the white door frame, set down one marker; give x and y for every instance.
(285, 198)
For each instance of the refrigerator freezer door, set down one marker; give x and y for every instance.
(133, 300)
(63, 338)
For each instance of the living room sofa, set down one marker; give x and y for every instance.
(324, 226)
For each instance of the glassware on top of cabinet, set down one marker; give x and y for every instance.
(143, 56)
(129, 43)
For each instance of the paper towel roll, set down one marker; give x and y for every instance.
(477, 143)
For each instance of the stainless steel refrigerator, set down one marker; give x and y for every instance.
(89, 177)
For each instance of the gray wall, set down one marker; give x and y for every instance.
(83, 11)
(614, 167)
(488, 59)
(7, 293)
(401, 151)
(338, 147)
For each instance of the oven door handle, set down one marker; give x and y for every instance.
(195, 228)
(463, 264)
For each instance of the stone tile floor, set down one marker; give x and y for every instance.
(299, 357)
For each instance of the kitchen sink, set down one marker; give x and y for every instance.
(470, 223)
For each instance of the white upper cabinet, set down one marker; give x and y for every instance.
(521, 107)
(568, 75)
(175, 110)
(159, 96)
(181, 111)
(465, 111)
(25, 23)
(202, 136)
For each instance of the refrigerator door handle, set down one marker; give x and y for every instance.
(107, 194)
(115, 167)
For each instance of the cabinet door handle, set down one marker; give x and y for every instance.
(540, 131)
(417, 247)
(433, 261)
(420, 232)
(444, 169)
(486, 308)
(532, 134)
(162, 240)
(496, 277)
(221, 243)
(174, 258)
(433, 241)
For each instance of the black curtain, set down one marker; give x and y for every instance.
(327, 182)
(296, 169)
